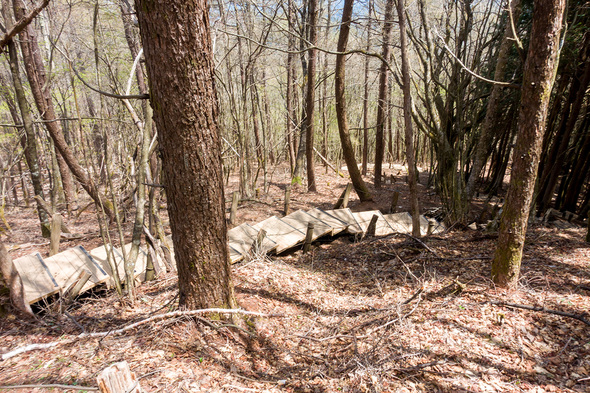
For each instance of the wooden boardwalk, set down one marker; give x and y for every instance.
(43, 277)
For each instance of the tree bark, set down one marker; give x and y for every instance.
(409, 132)
(343, 129)
(383, 94)
(539, 71)
(366, 95)
(9, 276)
(28, 141)
(310, 99)
(177, 44)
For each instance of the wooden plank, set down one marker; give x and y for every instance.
(37, 281)
(300, 219)
(242, 237)
(346, 216)
(100, 255)
(67, 266)
(400, 222)
(234, 255)
(140, 264)
(283, 234)
(364, 219)
(336, 224)
(439, 227)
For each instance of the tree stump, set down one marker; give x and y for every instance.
(118, 378)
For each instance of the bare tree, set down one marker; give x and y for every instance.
(343, 128)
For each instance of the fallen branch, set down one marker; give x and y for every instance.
(155, 318)
(579, 317)
(422, 244)
(51, 386)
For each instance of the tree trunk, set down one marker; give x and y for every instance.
(9, 277)
(538, 77)
(409, 132)
(177, 44)
(383, 94)
(310, 99)
(291, 113)
(343, 129)
(366, 95)
(28, 140)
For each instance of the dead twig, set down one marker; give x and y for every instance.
(51, 386)
(422, 244)
(579, 317)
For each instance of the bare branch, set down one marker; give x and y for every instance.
(21, 24)
(505, 84)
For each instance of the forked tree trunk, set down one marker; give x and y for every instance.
(182, 92)
(343, 129)
(538, 77)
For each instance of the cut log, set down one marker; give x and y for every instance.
(118, 378)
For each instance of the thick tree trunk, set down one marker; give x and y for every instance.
(343, 129)
(177, 44)
(383, 94)
(409, 132)
(539, 71)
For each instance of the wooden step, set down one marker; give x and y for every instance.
(364, 219)
(402, 222)
(66, 266)
(336, 224)
(38, 282)
(345, 215)
(242, 237)
(282, 233)
(100, 255)
(300, 220)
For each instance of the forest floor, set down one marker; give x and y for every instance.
(384, 314)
